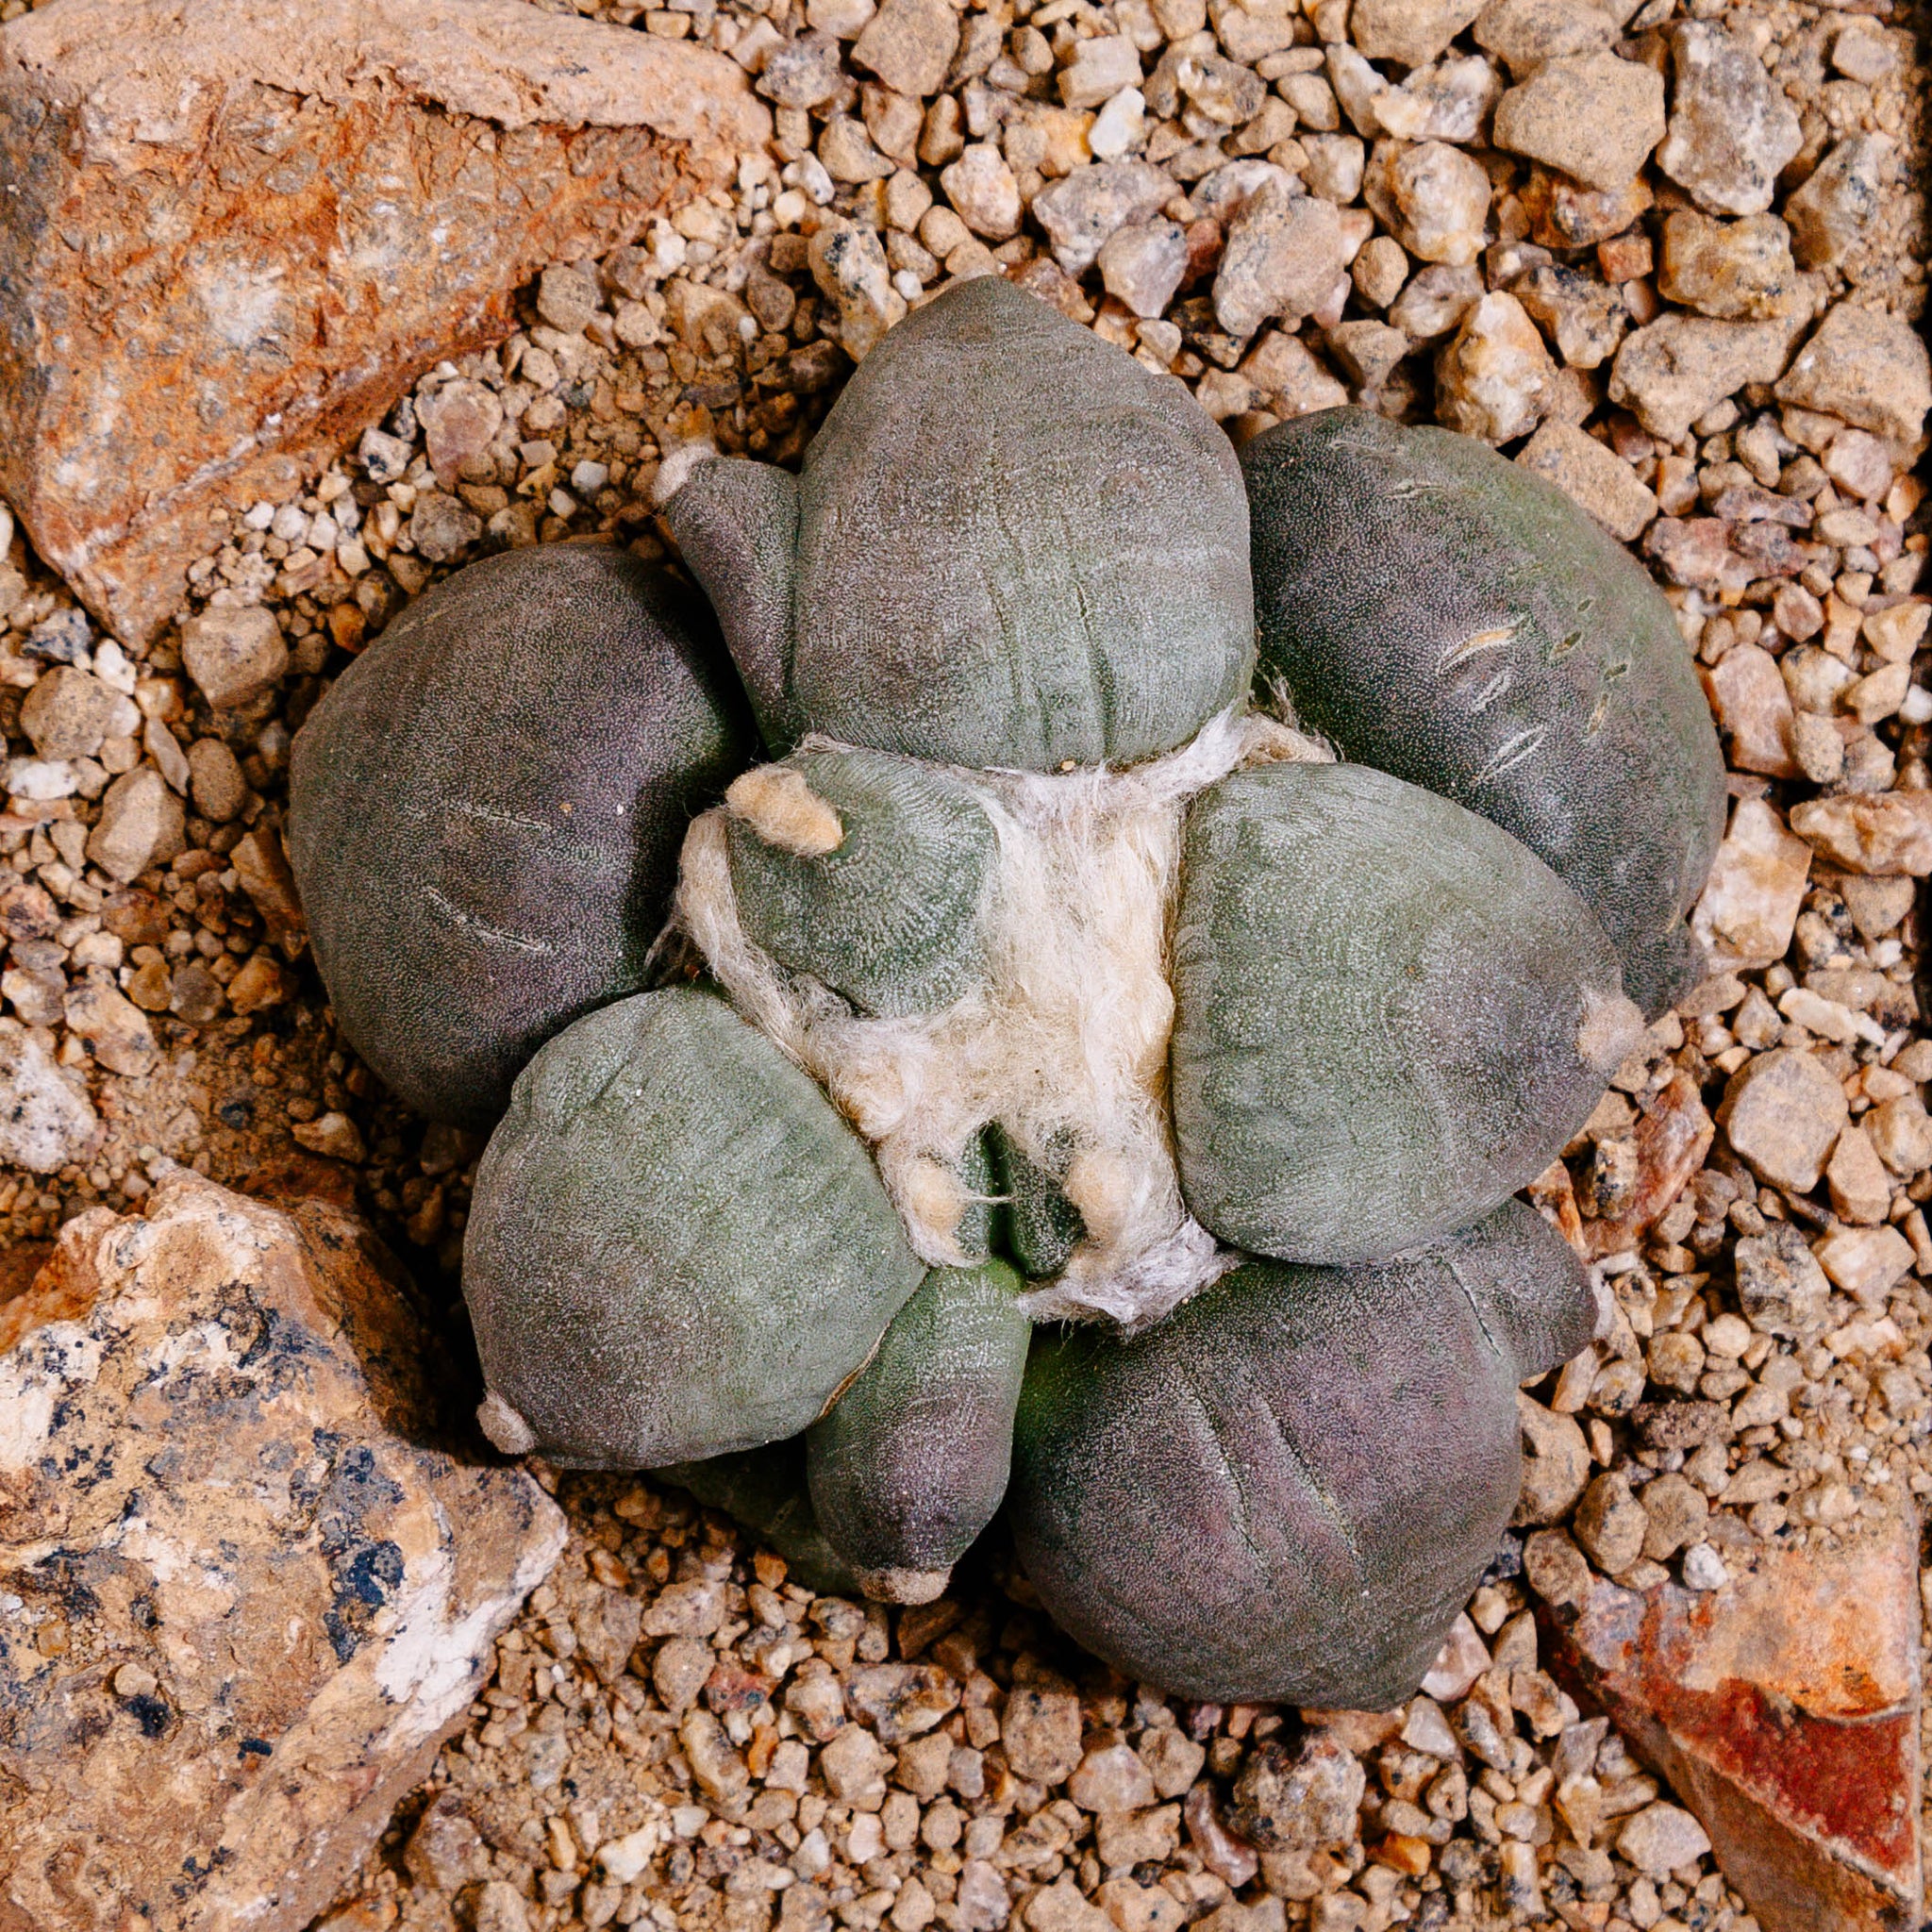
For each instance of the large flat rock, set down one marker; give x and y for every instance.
(236, 230)
(1784, 1709)
(243, 1596)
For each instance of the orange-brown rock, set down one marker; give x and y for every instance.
(235, 230)
(1553, 1194)
(244, 1594)
(19, 1265)
(1566, 214)
(1784, 1710)
(1672, 1135)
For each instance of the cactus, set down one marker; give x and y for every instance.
(1044, 979)
(678, 1249)
(765, 1488)
(866, 870)
(912, 1463)
(1392, 1014)
(1011, 546)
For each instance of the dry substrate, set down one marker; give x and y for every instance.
(675, 1732)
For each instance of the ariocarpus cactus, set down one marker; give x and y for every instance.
(1047, 978)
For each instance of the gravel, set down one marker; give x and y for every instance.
(1142, 264)
(1591, 475)
(1736, 271)
(1594, 116)
(1284, 256)
(1732, 130)
(1782, 1113)
(676, 1732)
(1303, 1798)
(1837, 205)
(1495, 381)
(1869, 368)
(1675, 370)
(1433, 198)
(1661, 1839)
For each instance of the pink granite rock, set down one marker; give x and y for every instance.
(244, 1594)
(1673, 1134)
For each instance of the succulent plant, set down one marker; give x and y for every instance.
(878, 890)
(912, 1461)
(765, 1488)
(1094, 1098)
(1419, 1013)
(673, 1216)
(1059, 571)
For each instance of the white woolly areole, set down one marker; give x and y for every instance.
(1064, 1042)
(674, 471)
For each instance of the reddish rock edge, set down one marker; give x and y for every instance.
(245, 1597)
(1672, 1135)
(1784, 1710)
(237, 230)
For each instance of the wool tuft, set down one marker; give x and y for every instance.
(1064, 1039)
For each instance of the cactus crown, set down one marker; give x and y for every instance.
(1049, 1020)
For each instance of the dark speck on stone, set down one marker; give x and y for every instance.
(1508, 1561)
(151, 1713)
(362, 1584)
(376, 1569)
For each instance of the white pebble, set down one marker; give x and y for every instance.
(98, 949)
(40, 779)
(1703, 1569)
(290, 524)
(624, 1859)
(589, 477)
(112, 668)
(165, 749)
(812, 177)
(538, 368)
(1663, 1839)
(1118, 128)
(261, 516)
(45, 1120)
(668, 249)
(135, 1680)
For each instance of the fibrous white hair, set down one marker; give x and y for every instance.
(1064, 1042)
